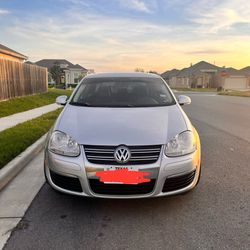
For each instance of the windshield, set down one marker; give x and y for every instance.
(123, 92)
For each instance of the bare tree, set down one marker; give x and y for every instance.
(153, 72)
(139, 70)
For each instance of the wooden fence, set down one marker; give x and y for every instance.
(19, 79)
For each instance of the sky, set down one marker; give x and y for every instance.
(122, 35)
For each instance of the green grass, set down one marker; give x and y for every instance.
(15, 140)
(196, 89)
(236, 93)
(25, 103)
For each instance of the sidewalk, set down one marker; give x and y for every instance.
(13, 120)
(18, 195)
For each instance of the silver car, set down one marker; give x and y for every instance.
(122, 135)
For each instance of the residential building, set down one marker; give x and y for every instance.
(169, 74)
(71, 73)
(206, 75)
(10, 54)
(246, 70)
(232, 79)
(181, 80)
(199, 75)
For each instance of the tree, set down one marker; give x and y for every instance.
(139, 70)
(79, 78)
(56, 73)
(153, 72)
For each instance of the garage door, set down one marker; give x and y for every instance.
(235, 83)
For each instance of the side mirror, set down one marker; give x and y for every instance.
(61, 100)
(184, 100)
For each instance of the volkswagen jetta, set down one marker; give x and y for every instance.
(122, 135)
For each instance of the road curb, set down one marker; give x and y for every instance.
(9, 171)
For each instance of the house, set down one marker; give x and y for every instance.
(181, 80)
(10, 54)
(167, 75)
(246, 70)
(199, 75)
(71, 73)
(206, 75)
(232, 79)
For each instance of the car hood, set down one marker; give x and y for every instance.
(115, 126)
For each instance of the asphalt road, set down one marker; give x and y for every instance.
(216, 215)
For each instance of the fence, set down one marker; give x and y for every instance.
(19, 79)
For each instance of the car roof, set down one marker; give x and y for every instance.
(133, 74)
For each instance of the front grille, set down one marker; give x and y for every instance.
(65, 182)
(178, 182)
(121, 189)
(139, 154)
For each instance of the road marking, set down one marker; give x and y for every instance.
(199, 94)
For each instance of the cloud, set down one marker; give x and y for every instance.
(77, 2)
(96, 39)
(206, 52)
(4, 11)
(137, 5)
(240, 29)
(213, 17)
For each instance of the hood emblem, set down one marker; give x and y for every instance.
(122, 154)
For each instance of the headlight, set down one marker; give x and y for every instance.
(182, 144)
(62, 144)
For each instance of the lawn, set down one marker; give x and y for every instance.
(15, 140)
(196, 89)
(236, 93)
(25, 103)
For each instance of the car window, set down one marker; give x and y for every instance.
(123, 92)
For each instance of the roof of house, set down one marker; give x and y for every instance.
(232, 71)
(11, 52)
(29, 62)
(78, 66)
(184, 73)
(49, 63)
(170, 73)
(246, 70)
(200, 67)
(203, 66)
(195, 69)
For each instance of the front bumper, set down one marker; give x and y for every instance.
(165, 171)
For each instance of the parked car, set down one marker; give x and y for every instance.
(123, 135)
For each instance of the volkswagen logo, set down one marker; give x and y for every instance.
(122, 154)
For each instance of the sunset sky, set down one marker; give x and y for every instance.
(121, 35)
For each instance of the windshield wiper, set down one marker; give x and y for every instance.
(85, 104)
(123, 106)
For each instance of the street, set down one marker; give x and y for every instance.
(215, 215)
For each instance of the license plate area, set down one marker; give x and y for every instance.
(123, 175)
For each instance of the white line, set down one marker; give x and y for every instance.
(199, 94)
